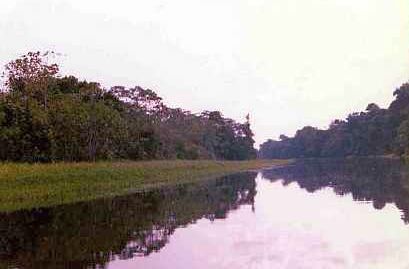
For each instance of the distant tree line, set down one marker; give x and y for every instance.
(46, 117)
(375, 131)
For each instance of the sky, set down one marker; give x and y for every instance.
(289, 63)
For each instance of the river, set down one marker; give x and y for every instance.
(333, 213)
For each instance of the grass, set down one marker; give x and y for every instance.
(25, 186)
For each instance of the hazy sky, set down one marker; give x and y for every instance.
(288, 63)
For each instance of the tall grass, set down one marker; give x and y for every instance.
(24, 186)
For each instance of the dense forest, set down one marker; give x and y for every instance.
(376, 131)
(48, 117)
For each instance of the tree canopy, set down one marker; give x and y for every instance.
(376, 131)
(48, 117)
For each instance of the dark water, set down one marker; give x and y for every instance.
(313, 214)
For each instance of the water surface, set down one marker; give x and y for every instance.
(313, 214)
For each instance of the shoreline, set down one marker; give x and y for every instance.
(29, 186)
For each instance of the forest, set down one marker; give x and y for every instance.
(47, 117)
(376, 131)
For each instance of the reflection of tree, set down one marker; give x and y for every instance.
(93, 233)
(377, 180)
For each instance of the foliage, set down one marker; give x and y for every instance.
(25, 186)
(45, 117)
(376, 131)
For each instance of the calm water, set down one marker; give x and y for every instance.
(314, 214)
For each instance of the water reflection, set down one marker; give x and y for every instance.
(94, 233)
(375, 180)
(304, 216)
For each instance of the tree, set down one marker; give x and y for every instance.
(376, 131)
(46, 117)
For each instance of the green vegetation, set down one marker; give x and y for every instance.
(376, 131)
(39, 185)
(90, 234)
(45, 117)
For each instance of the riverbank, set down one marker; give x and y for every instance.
(25, 186)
